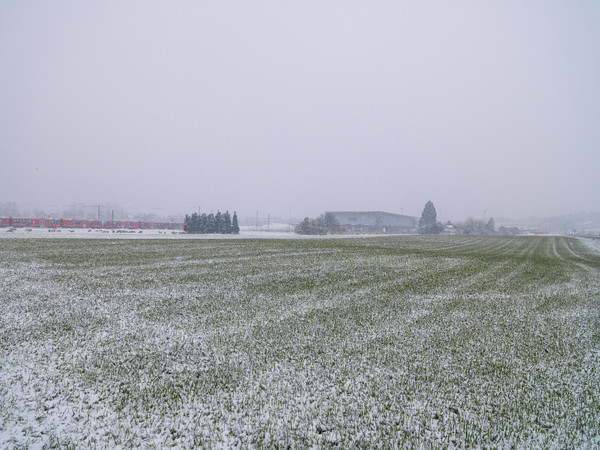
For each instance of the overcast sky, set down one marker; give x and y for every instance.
(303, 106)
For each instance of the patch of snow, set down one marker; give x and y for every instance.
(592, 243)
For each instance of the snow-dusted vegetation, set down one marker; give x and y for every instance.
(410, 341)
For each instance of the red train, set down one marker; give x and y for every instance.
(71, 223)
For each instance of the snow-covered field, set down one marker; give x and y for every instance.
(414, 341)
(593, 243)
(84, 233)
(80, 233)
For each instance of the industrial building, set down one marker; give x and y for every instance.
(376, 222)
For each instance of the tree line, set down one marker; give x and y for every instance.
(428, 224)
(324, 224)
(220, 223)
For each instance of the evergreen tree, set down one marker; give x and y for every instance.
(428, 221)
(226, 223)
(203, 224)
(211, 224)
(219, 224)
(194, 223)
(235, 228)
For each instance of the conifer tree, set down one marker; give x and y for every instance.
(235, 228)
(226, 223)
(202, 224)
(219, 225)
(194, 223)
(211, 224)
(428, 222)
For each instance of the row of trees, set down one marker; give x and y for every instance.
(474, 226)
(428, 224)
(324, 224)
(220, 223)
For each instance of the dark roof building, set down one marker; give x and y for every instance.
(375, 222)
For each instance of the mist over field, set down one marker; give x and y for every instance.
(291, 109)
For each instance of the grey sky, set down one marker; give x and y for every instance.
(311, 105)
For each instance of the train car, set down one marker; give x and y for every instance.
(22, 223)
(95, 224)
(74, 223)
(112, 224)
(52, 223)
(160, 225)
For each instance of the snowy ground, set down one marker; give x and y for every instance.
(62, 233)
(411, 341)
(79, 233)
(592, 243)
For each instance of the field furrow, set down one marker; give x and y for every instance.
(408, 341)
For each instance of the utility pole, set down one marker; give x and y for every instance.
(257, 220)
(98, 212)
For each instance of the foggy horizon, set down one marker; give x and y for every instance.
(117, 212)
(293, 110)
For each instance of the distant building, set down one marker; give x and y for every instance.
(375, 222)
